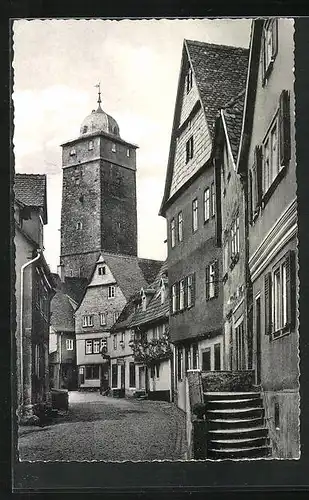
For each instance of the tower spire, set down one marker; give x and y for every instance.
(98, 86)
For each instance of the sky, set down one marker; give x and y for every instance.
(57, 64)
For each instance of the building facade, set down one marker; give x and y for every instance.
(210, 76)
(268, 161)
(98, 195)
(34, 289)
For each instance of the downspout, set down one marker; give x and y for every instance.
(22, 269)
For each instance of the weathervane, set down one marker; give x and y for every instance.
(98, 86)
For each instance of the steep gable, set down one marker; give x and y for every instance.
(218, 71)
(30, 190)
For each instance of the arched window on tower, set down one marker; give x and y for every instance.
(85, 128)
(79, 225)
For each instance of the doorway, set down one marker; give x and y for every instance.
(141, 378)
(258, 338)
(122, 376)
(240, 347)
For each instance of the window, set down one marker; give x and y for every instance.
(173, 238)
(189, 80)
(180, 233)
(111, 292)
(206, 359)
(128, 153)
(277, 416)
(226, 255)
(217, 355)
(73, 152)
(103, 345)
(37, 360)
(88, 320)
(269, 47)
(190, 290)
(92, 372)
(194, 356)
(206, 204)
(114, 375)
(162, 291)
(69, 344)
(213, 199)
(152, 371)
(187, 359)
(132, 380)
(103, 319)
(85, 128)
(181, 295)
(174, 298)
(115, 341)
(115, 316)
(179, 363)
(194, 215)
(189, 149)
(88, 346)
(79, 225)
(101, 270)
(212, 280)
(90, 145)
(114, 148)
(155, 332)
(144, 301)
(157, 370)
(96, 346)
(235, 238)
(270, 157)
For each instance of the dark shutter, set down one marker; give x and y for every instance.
(268, 304)
(216, 276)
(207, 277)
(263, 57)
(193, 289)
(291, 288)
(250, 193)
(171, 301)
(185, 292)
(177, 295)
(274, 34)
(258, 163)
(284, 128)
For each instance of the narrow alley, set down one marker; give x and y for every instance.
(104, 428)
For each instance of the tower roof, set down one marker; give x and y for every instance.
(99, 121)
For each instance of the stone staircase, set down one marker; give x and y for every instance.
(236, 425)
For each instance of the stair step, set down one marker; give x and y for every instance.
(231, 403)
(231, 395)
(220, 444)
(236, 412)
(232, 453)
(235, 423)
(234, 433)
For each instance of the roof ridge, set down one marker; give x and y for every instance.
(215, 45)
(24, 174)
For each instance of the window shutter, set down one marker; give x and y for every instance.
(207, 281)
(268, 304)
(258, 163)
(185, 292)
(171, 300)
(216, 277)
(291, 288)
(177, 295)
(193, 289)
(250, 193)
(284, 128)
(274, 34)
(263, 57)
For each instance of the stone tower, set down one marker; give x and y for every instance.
(98, 195)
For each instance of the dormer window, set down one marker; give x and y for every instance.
(73, 152)
(128, 152)
(85, 128)
(90, 145)
(189, 149)
(162, 291)
(144, 303)
(114, 148)
(101, 270)
(189, 80)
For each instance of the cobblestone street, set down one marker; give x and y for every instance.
(104, 428)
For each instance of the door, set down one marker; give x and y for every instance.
(240, 347)
(122, 377)
(206, 359)
(258, 338)
(141, 378)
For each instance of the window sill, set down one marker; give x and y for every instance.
(282, 332)
(211, 298)
(273, 186)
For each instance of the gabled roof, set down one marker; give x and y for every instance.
(232, 114)
(30, 191)
(73, 287)
(219, 71)
(62, 313)
(155, 310)
(150, 268)
(126, 271)
(126, 314)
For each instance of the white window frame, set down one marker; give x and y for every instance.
(73, 152)
(79, 225)
(115, 316)
(189, 149)
(114, 149)
(88, 347)
(271, 161)
(189, 80)
(90, 145)
(69, 343)
(181, 295)
(111, 292)
(212, 280)
(174, 298)
(103, 319)
(87, 320)
(195, 215)
(180, 226)
(173, 232)
(189, 290)
(280, 297)
(102, 270)
(213, 199)
(128, 152)
(96, 346)
(115, 341)
(206, 204)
